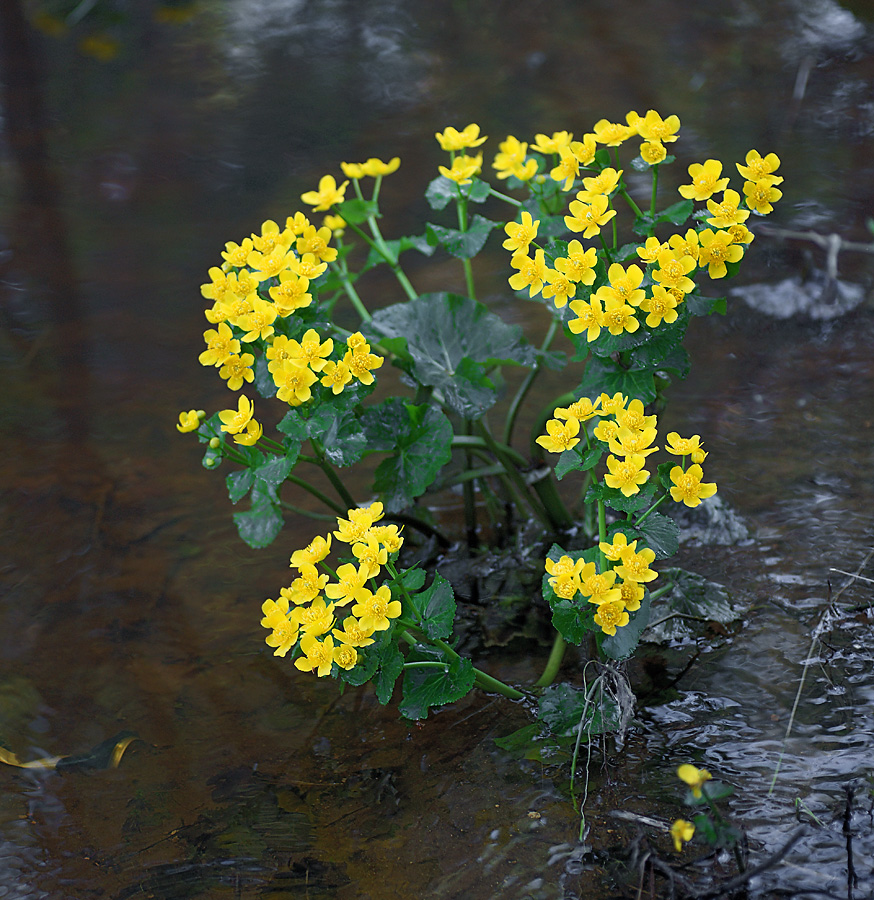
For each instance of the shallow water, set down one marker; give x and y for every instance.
(128, 602)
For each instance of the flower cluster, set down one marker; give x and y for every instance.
(631, 295)
(306, 618)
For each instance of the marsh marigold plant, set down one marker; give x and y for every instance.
(622, 305)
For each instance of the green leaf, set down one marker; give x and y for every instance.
(604, 375)
(622, 644)
(420, 452)
(704, 306)
(427, 687)
(440, 192)
(615, 499)
(264, 383)
(518, 742)
(261, 524)
(436, 606)
(357, 211)
(294, 425)
(446, 335)
(565, 710)
(661, 535)
(275, 471)
(573, 621)
(568, 461)
(692, 595)
(340, 433)
(391, 664)
(396, 248)
(461, 244)
(413, 579)
(239, 484)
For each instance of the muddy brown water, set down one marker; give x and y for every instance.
(129, 603)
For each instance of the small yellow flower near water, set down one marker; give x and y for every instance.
(451, 139)
(188, 421)
(327, 195)
(681, 832)
(251, 436)
(611, 615)
(688, 488)
(560, 436)
(706, 180)
(235, 420)
(694, 777)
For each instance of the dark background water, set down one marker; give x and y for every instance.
(128, 602)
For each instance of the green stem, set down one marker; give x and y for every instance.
(391, 259)
(606, 248)
(657, 503)
(526, 385)
(655, 187)
(323, 498)
(504, 197)
(332, 476)
(461, 206)
(553, 664)
(634, 207)
(602, 533)
(473, 442)
(351, 293)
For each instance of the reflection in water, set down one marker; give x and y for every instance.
(128, 600)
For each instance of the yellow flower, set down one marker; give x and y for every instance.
(610, 616)
(695, 778)
(578, 265)
(635, 564)
(345, 656)
(234, 421)
(582, 410)
(610, 406)
(589, 218)
(688, 488)
(327, 195)
(560, 288)
(759, 168)
(314, 552)
(626, 475)
(463, 168)
(350, 585)
(271, 237)
(315, 619)
(662, 307)
(188, 421)
(258, 323)
(727, 213)
(598, 587)
(336, 375)
(716, 249)
(520, 234)
(389, 536)
(376, 610)
(615, 549)
(291, 293)
(681, 832)
(337, 225)
(760, 195)
(673, 271)
(706, 180)
(632, 416)
(604, 183)
(370, 553)
(619, 316)
(297, 224)
(624, 285)
(252, 435)
(237, 369)
(354, 633)
(452, 139)
(283, 631)
(319, 655)
(653, 152)
(652, 127)
(628, 443)
(553, 144)
(294, 383)
(564, 567)
(511, 160)
(308, 585)
(631, 594)
(531, 274)
(354, 528)
(361, 365)
(315, 240)
(682, 446)
(611, 133)
(650, 250)
(589, 318)
(560, 436)
(270, 264)
(235, 255)
(567, 170)
(376, 168)
(311, 351)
